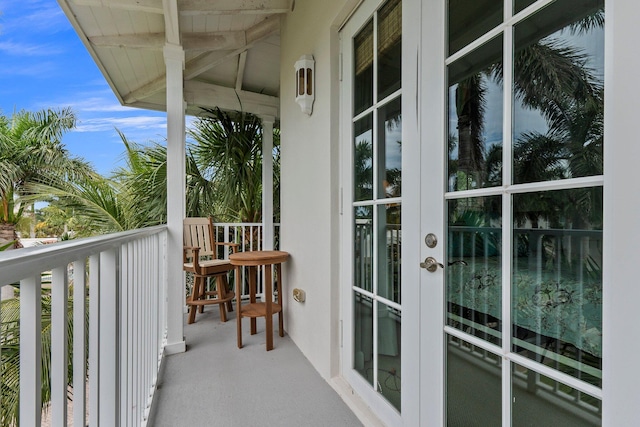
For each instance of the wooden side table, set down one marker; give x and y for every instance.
(253, 260)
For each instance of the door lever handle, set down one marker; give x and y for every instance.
(430, 264)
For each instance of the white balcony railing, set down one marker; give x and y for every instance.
(121, 280)
(118, 283)
(249, 236)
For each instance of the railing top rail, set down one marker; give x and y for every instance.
(240, 224)
(18, 264)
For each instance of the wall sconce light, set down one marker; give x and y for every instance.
(305, 92)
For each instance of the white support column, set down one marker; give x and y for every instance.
(174, 60)
(267, 182)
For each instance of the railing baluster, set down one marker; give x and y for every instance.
(59, 371)
(94, 339)
(126, 337)
(79, 346)
(109, 345)
(30, 350)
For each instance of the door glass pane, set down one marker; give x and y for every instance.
(541, 401)
(363, 248)
(363, 336)
(557, 280)
(389, 232)
(558, 92)
(363, 72)
(363, 158)
(469, 19)
(474, 386)
(475, 118)
(519, 5)
(473, 271)
(389, 48)
(390, 149)
(389, 354)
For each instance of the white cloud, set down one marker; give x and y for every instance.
(122, 123)
(28, 49)
(33, 18)
(97, 104)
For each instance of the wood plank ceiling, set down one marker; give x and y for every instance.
(232, 49)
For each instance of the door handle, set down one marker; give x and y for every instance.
(430, 264)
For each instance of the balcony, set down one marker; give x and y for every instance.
(111, 368)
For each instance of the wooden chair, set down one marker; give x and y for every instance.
(200, 257)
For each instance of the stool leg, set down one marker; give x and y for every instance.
(238, 308)
(253, 273)
(280, 300)
(268, 293)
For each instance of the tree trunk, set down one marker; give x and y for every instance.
(8, 233)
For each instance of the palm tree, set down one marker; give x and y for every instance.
(229, 147)
(143, 182)
(31, 152)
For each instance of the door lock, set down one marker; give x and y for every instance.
(430, 264)
(431, 240)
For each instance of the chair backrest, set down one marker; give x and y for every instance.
(198, 232)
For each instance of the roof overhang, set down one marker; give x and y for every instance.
(232, 50)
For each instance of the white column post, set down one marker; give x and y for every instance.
(267, 182)
(174, 60)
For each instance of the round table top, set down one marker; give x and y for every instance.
(258, 257)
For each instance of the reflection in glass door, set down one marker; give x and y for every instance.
(376, 149)
(524, 213)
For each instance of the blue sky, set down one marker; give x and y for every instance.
(43, 65)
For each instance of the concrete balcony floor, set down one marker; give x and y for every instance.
(214, 383)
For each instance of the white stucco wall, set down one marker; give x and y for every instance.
(310, 184)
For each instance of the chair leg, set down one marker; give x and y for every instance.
(220, 288)
(223, 312)
(203, 290)
(195, 295)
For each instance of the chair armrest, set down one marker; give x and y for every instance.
(233, 246)
(195, 251)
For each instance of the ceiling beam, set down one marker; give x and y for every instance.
(131, 41)
(212, 96)
(255, 34)
(149, 6)
(233, 7)
(146, 90)
(219, 40)
(242, 62)
(191, 69)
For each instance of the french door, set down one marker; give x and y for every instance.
(373, 200)
(511, 184)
